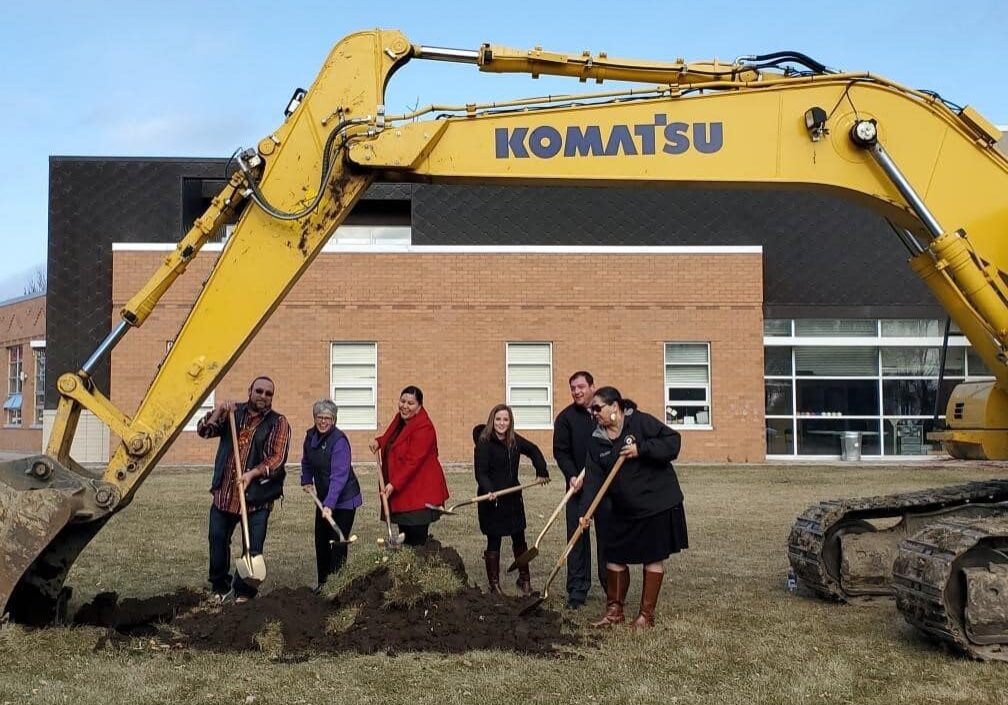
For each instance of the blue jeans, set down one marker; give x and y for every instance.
(222, 526)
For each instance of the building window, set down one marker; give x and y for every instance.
(877, 377)
(39, 385)
(530, 384)
(15, 379)
(206, 406)
(687, 384)
(354, 384)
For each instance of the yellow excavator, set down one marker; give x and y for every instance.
(774, 121)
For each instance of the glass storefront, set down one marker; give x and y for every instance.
(825, 377)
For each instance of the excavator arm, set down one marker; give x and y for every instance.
(753, 122)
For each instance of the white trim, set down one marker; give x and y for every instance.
(37, 344)
(484, 249)
(955, 341)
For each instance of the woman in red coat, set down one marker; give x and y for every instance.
(411, 470)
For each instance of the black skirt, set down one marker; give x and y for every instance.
(647, 540)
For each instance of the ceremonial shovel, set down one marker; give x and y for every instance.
(393, 541)
(484, 497)
(577, 534)
(251, 569)
(524, 559)
(339, 532)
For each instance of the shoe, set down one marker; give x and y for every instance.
(242, 599)
(617, 583)
(575, 604)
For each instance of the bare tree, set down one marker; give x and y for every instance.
(36, 282)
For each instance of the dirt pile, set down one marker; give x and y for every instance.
(296, 622)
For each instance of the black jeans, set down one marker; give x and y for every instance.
(579, 561)
(330, 555)
(222, 526)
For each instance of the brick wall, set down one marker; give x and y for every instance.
(441, 321)
(21, 321)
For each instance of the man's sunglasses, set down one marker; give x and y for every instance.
(264, 392)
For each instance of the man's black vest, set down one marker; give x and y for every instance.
(257, 449)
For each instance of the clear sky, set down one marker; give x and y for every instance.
(198, 78)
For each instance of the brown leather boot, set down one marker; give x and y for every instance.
(617, 584)
(649, 600)
(492, 560)
(524, 581)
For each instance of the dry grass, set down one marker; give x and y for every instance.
(727, 630)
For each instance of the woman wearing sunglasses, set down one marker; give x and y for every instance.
(648, 522)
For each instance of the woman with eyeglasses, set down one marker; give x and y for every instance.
(496, 456)
(410, 468)
(647, 522)
(326, 472)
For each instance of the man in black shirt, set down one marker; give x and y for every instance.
(571, 431)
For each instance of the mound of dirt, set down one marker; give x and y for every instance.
(296, 622)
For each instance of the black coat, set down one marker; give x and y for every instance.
(645, 485)
(497, 469)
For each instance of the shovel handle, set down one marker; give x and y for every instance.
(500, 493)
(553, 517)
(599, 496)
(384, 497)
(332, 523)
(241, 485)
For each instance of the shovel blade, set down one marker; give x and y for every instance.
(47, 517)
(523, 560)
(533, 604)
(251, 569)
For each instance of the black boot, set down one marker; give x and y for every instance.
(492, 560)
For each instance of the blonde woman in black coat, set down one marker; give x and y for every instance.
(498, 450)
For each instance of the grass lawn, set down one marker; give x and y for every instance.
(727, 630)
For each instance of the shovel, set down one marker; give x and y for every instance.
(524, 559)
(393, 541)
(527, 609)
(339, 532)
(484, 497)
(251, 569)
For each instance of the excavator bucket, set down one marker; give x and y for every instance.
(48, 515)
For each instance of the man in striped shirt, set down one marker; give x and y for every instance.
(263, 440)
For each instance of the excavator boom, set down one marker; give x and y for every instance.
(773, 121)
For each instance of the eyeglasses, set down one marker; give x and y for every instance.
(330, 419)
(596, 408)
(264, 392)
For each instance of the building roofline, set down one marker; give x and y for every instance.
(19, 299)
(105, 158)
(485, 249)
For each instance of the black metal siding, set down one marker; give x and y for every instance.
(823, 257)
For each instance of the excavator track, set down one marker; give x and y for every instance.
(951, 582)
(836, 553)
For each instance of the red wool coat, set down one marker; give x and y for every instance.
(412, 464)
